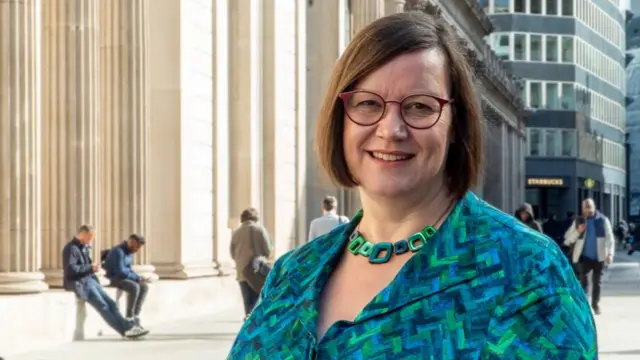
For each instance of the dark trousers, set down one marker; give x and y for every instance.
(249, 297)
(596, 268)
(136, 294)
(107, 308)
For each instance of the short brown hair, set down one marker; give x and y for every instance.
(329, 203)
(374, 46)
(249, 214)
(86, 228)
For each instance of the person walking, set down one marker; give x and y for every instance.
(525, 214)
(249, 244)
(593, 248)
(329, 219)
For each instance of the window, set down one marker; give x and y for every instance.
(552, 7)
(534, 142)
(568, 143)
(501, 6)
(552, 96)
(536, 47)
(502, 46)
(551, 141)
(520, 44)
(535, 95)
(552, 48)
(568, 97)
(567, 49)
(535, 6)
(520, 6)
(484, 5)
(567, 8)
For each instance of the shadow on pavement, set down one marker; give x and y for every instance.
(171, 337)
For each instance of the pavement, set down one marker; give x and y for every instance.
(210, 336)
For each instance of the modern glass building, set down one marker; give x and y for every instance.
(633, 110)
(570, 56)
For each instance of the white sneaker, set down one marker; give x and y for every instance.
(135, 332)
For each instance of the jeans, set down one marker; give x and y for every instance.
(249, 297)
(107, 308)
(136, 294)
(596, 268)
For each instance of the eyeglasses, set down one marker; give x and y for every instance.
(418, 111)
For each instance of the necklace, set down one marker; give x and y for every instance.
(380, 253)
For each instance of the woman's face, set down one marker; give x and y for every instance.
(420, 153)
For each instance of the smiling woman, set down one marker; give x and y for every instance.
(426, 270)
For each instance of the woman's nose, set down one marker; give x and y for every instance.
(392, 126)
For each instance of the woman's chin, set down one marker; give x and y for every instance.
(388, 190)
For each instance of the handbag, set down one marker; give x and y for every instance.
(255, 279)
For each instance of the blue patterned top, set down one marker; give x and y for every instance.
(484, 287)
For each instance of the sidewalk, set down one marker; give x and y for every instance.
(210, 336)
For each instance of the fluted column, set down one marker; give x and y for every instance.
(70, 127)
(365, 12)
(20, 147)
(246, 107)
(125, 116)
(221, 154)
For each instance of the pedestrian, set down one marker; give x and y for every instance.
(329, 219)
(593, 248)
(526, 215)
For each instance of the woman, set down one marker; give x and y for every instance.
(249, 244)
(401, 122)
(525, 214)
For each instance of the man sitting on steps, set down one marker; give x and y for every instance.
(118, 267)
(79, 277)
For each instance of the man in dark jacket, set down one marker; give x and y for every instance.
(119, 271)
(79, 277)
(525, 214)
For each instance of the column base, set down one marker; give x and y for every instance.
(53, 277)
(224, 268)
(184, 271)
(15, 283)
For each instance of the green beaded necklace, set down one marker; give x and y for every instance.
(380, 253)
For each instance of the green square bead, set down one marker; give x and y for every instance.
(379, 248)
(429, 232)
(416, 241)
(366, 249)
(356, 244)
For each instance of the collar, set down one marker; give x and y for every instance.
(447, 260)
(124, 247)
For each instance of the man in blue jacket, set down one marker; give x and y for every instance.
(80, 278)
(119, 271)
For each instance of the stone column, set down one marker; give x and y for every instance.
(221, 150)
(70, 128)
(280, 121)
(365, 12)
(181, 138)
(246, 136)
(20, 148)
(124, 103)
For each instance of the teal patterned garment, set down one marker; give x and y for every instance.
(485, 287)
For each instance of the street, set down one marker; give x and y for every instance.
(210, 336)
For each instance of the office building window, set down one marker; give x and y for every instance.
(501, 47)
(534, 142)
(500, 6)
(551, 48)
(568, 143)
(567, 7)
(520, 6)
(551, 141)
(567, 49)
(535, 6)
(535, 95)
(553, 100)
(552, 7)
(520, 45)
(568, 97)
(535, 42)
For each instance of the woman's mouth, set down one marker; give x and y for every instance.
(390, 157)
